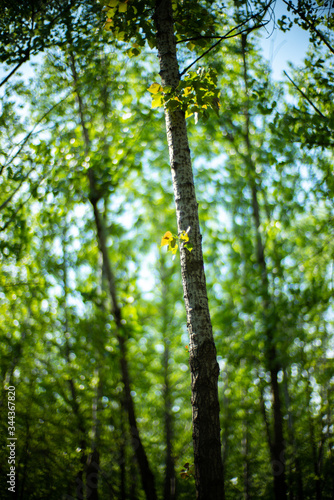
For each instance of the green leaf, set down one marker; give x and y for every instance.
(122, 7)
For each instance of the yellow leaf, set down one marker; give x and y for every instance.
(155, 88)
(174, 248)
(157, 101)
(184, 236)
(166, 238)
(187, 91)
(113, 3)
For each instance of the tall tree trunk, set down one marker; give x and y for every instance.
(122, 455)
(245, 452)
(79, 480)
(167, 316)
(297, 479)
(314, 447)
(277, 449)
(92, 475)
(133, 480)
(202, 351)
(145, 471)
(21, 483)
(170, 481)
(227, 420)
(93, 461)
(330, 407)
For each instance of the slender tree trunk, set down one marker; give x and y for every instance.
(330, 406)
(265, 416)
(298, 475)
(167, 315)
(203, 363)
(246, 465)
(93, 461)
(92, 475)
(122, 455)
(21, 483)
(277, 448)
(170, 481)
(227, 420)
(146, 473)
(315, 457)
(133, 480)
(79, 480)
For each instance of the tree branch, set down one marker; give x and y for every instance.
(27, 137)
(5, 203)
(43, 46)
(229, 34)
(10, 220)
(306, 97)
(23, 60)
(310, 23)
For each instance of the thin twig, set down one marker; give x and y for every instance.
(50, 26)
(225, 37)
(14, 214)
(229, 34)
(19, 64)
(5, 203)
(20, 283)
(310, 24)
(27, 137)
(305, 97)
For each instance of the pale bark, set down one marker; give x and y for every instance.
(202, 351)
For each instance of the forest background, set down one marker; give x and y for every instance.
(92, 320)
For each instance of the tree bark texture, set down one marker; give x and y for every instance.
(203, 363)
